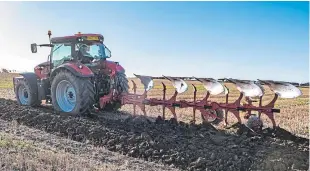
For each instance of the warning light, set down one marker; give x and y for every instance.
(49, 33)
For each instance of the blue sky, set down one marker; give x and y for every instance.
(246, 40)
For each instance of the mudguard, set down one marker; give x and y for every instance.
(79, 70)
(115, 66)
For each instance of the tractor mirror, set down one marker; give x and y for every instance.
(34, 48)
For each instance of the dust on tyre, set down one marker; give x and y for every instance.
(213, 120)
(25, 94)
(72, 95)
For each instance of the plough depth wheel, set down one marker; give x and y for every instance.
(212, 119)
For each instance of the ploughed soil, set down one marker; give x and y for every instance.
(23, 148)
(174, 144)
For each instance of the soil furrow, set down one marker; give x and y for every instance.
(190, 147)
(49, 151)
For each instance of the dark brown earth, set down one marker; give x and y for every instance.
(23, 148)
(180, 145)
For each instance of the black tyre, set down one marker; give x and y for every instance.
(121, 86)
(72, 95)
(25, 94)
(121, 83)
(213, 120)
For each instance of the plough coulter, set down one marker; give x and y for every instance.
(77, 77)
(213, 111)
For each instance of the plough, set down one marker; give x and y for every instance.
(213, 111)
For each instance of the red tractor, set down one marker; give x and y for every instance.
(76, 78)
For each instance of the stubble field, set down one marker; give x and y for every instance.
(37, 139)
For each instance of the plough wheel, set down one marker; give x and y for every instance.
(254, 123)
(72, 95)
(213, 120)
(121, 86)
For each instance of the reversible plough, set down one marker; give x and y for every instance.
(211, 111)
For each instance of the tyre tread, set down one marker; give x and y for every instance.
(85, 91)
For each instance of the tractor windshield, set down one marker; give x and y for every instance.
(96, 51)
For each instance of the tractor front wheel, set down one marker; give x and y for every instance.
(26, 94)
(72, 95)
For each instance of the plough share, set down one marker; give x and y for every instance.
(212, 111)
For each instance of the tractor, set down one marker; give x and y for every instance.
(76, 78)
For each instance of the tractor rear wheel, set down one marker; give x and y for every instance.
(26, 94)
(213, 120)
(121, 86)
(72, 95)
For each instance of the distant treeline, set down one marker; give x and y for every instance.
(3, 70)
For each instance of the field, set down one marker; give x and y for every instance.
(37, 138)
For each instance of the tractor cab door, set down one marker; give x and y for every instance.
(61, 53)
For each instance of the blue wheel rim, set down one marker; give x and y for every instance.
(23, 95)
(65, 96)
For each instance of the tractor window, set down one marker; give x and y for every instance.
(96, 51)
(107, 52)
(61, 52)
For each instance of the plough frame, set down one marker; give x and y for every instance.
(210, 110)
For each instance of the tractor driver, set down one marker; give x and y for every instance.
(84, 55)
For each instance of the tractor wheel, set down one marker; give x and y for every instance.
(121, 83)
(25, 94)
(213, 120)
(72, 95)
(121, 86)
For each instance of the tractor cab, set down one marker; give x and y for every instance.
(80, 47)
(83, 48)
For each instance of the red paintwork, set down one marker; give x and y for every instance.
(42, 70)
(105, 99)
(234, 107)
(113, 67)
(83, 71)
